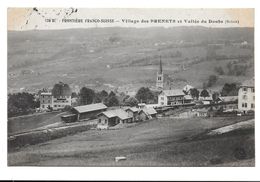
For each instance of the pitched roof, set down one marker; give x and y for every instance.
(175, 92)
(149, 110)
(188, 97)
(90, 107)
(228, 98)
(187, 88)
(249, 83)
(133, 109)
(116, 113)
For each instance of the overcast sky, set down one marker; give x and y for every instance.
(21, 19)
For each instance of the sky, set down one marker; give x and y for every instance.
(21, 19)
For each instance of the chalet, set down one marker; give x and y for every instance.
(133, 112)
(173, 98)
(246, 96)
(113, 117)
(146, 113)
(228, 103)
(202, 112)
(206, 100)
(88, 111)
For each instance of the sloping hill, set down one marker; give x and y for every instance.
(113, 56)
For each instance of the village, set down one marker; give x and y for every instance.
(189, 106)
(205, 104)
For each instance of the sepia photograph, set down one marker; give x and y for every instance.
(130, 87)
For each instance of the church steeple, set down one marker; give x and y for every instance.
(160, 66)
(159, 80)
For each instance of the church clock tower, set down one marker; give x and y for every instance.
(159, 80)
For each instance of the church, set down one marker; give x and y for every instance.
(167, 96)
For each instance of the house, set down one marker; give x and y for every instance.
(173, 98)
(45, 100)
(146, 113)
(206, 100)
(113, 117)
(228, 103)
(60, 102)
(186, 89)
(133, 112)
(88, 111)
(246, 96)
(69, 118)
(202, 112)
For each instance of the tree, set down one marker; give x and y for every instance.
(87, 96)
(111, 94)
(21, 103)
(230, 89)
(131, 101)
(61, 89)
(215, 96)
(194, 93)
(144, 95)
(204, 93)
(111, 101)
(74, 95)
(219, 70)
(103, 94)
(212, 80)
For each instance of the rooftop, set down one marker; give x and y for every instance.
(173, 92)
(229, 98)
(90, 107)
(133, 109)
(46, 93)
(149, 110)
(116, 113)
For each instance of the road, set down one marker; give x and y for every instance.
(159, 142)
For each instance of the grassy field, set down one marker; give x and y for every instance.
(159, 142)
(31, 122)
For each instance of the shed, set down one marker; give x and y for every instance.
(114, 117)
(133, 112)
(88, 111)
(69, 118)
(147, 113)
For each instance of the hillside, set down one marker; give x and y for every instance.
(109, 58)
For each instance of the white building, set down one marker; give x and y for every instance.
(246, 96)
(45, 100)
(173, 97)
(60, 102)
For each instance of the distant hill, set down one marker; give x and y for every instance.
(107, 58)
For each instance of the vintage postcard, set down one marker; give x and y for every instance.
(131, 87)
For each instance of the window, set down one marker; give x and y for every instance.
(245, 104)
(99, 120)
(244, 89)
(253, 90)
(42, 106)
(162, 98)
(252, 105)
(162, 103)
(245, 97)
(253, 97)
(159, 78)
